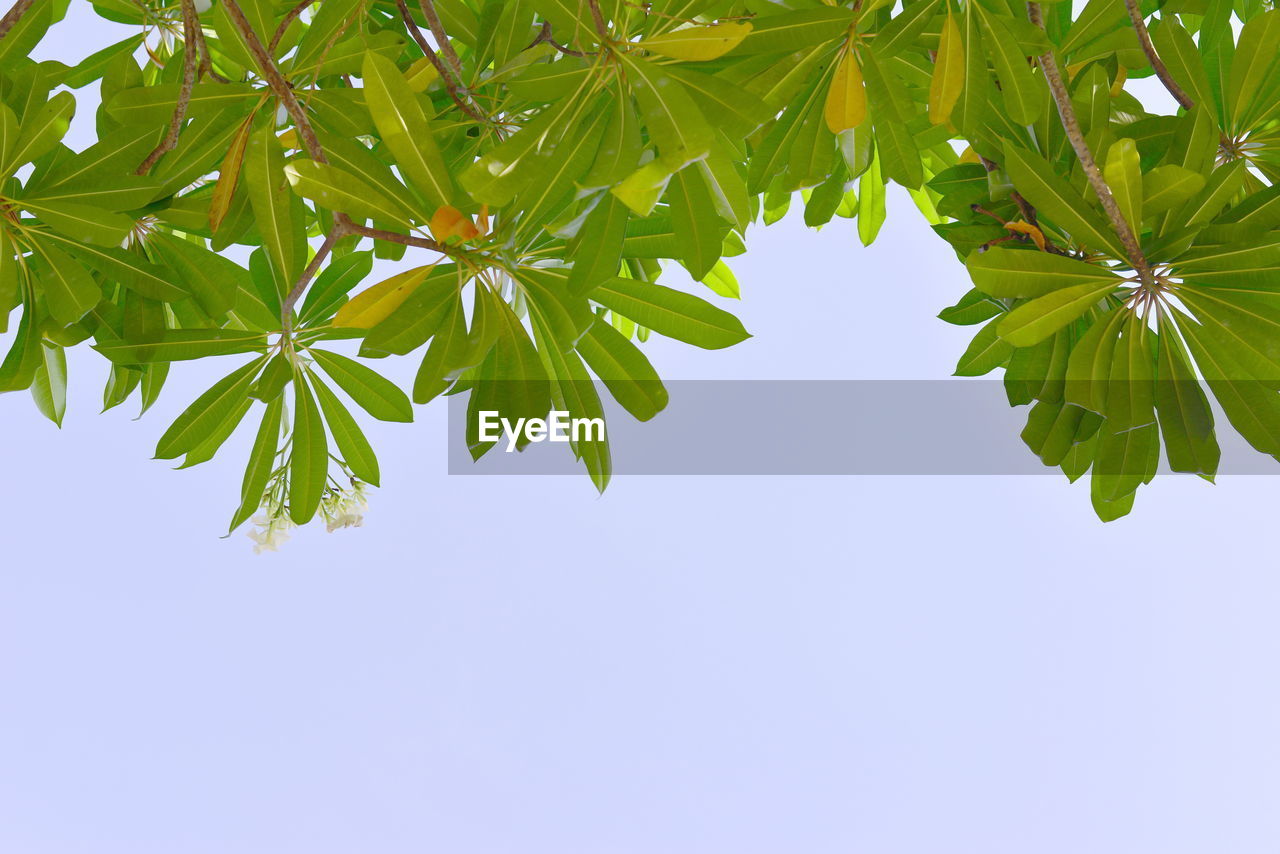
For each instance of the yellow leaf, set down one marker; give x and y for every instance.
(370, 307)
(969, 156)
(228, 176)
(289, 139)
(846, 105)
(421, 74)
(1036, 235)
(699, 44)
(449, 222)
(948, 73)
(1122, 74)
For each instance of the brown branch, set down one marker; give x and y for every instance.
(279, 86)
(289, 18)
(442, 38)
(405, 239)
(1071, 124)
(544, 37)
(206, 62)
(340, 230)
(342, 224)
(602, 27)
(14, 15)
(190, 55)
(1157, 64)
(450, 81)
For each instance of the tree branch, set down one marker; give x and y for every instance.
(1071, 124)
(190, 56)
(602, 27)
(451, 83)
(289, 18)
(340, 230)
(544, 36)
(14, 15)
(1157, 64)
(276, 81)
(442, 38)
(342, 224)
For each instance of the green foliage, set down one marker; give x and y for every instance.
(536, 163)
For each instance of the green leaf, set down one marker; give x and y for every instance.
(672, 313)
(82, 223)
(1005, 273)
(275, 210)
(405, 131)
(1034, 321)
(974, 307)
(68, 288)
(261, 463)
(1123, 172)
(199, 420)
(49, 389)
(376, 394)
(182, 344)
(1186, 422)
(624, 369)
(1168, 186)
(1053, 197)
(598, 252)
(792, 31)
(355, 449)
(447, 356)
(337, 190)
(129, 269)
(986, 352)
(699, 231)
(40, 132)
(1021, 91)
(674, 122)
(309, 460)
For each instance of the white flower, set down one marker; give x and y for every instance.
(271, 532)
(282, 116)
(343, 510)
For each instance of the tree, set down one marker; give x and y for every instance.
(535, 161)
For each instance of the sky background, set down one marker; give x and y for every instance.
(685, 665)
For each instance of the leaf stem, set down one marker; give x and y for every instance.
(190, 53)
(1071, 124)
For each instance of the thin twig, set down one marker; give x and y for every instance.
(1157, 64)
(14, 15)
(442, 38)
(289, 18)
(1071, 124)
(451, 83)
(190, 55)
(279, 86)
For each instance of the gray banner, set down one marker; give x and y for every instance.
(805, 427)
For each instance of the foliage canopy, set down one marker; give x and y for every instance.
(535, 161)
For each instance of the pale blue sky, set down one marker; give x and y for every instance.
(684, 666)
